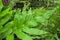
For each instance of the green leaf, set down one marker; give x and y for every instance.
(26, 6)
(52, 38)
(1, 5)
(10, 37)
(22, 35)
(6, 11)
(34, 31)
(6, 27)
(39, 11)
(1, 27)
(31, 23)
(18, 19)
(3, 35)
(56, 36)
(49, 13)
(40, 19)
(29, 16)
(5, 19)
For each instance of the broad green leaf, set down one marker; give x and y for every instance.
(3, 13)
(40, 19)
(6, 27)
(22, 35)
(50, 12)
(5, 19)
(10, 37)
(31, 23)
(34, 31)
(45, 16)
(29, 17)
(8, 32)
(18, 19)
(39, 11)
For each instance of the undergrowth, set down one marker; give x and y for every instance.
(33, 24)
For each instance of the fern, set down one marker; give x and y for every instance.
(24, 24)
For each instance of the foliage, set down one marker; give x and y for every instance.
(26, 25)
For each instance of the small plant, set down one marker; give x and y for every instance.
(25, 24)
